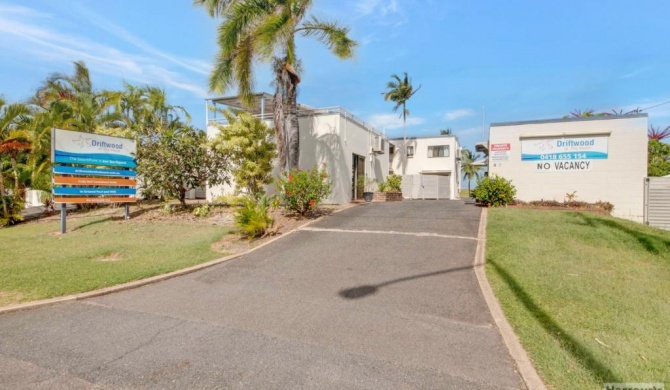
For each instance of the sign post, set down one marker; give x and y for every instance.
(63, 217)
(92, 168)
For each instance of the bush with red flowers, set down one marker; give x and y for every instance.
(303, 190)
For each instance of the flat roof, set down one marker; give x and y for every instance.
(425, 137)
(261, 100)
(561, 120)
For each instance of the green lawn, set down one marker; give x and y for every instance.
(588, 295)
(37, 263)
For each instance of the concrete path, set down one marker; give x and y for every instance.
(379, 296)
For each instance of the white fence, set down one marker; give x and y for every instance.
(426, 187)
(657, 202)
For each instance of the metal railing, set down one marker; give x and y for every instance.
(311, 112)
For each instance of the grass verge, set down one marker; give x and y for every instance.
(97, 252)
(588, 295)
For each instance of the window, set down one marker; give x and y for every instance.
(438, 151)
(410, 151)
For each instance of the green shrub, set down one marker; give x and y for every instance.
(301, 191)
(494, 191)
(202, 211)
(394, 183)
(253, 217)
(13, 207)
(168, 209)
(381, 187)
(230, 200)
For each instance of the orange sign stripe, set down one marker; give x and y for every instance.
(94, 181)
(95, 200)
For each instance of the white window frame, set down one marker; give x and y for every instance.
(410, 154)
(445, 148)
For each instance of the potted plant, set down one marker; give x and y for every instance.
(370, 185)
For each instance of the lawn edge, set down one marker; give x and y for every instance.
(526, 369)
(152, 279)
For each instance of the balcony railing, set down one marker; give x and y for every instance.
(268, 117)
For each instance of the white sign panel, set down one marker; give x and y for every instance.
(564, 148)
(73, 147)
(500, 152)
(563, 166)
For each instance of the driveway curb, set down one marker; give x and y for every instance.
(150, 280)
(526, 369)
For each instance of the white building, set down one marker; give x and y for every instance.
(331, 137)
(432, 167)
(596, 158)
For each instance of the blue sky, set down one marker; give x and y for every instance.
(517, 59)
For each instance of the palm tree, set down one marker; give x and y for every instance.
(399, 92)
(266, 30)
(468, 167)
(82, 108)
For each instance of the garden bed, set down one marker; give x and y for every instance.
(387, 196)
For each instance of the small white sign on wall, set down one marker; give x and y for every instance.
(500, 152)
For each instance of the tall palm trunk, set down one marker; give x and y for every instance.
(293, 127)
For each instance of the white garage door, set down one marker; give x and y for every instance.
(426, 187)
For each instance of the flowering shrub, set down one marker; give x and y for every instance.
(301, 191)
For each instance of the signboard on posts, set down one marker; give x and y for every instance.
(92, 168)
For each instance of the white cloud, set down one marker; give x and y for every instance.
(386, 12)
(636, 72)
(23, 34)
(392, 121)
(458, 114)
(197, 66)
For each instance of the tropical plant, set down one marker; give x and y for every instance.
(468, 168)
(80, 107)
(658, 158)
(202, 211)
(494, 191)
(253, 217)
(393, 183)
(13, 147)
(657, 134)
(400, 90)
(302, 190)
(446, 132)
(247, 142)
(265, 31)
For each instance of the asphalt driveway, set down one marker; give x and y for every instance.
(378, 296)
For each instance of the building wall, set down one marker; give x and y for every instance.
(422, 164)
(329, 140)
(618, 179)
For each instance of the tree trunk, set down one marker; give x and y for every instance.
(293, 130)
(2, 196)
(280, 125)
(182, 196)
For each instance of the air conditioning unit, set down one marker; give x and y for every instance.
(379, 145)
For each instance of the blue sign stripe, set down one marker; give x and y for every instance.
(105, 159)
(93, 191)
(79, 171)
(564, 156)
